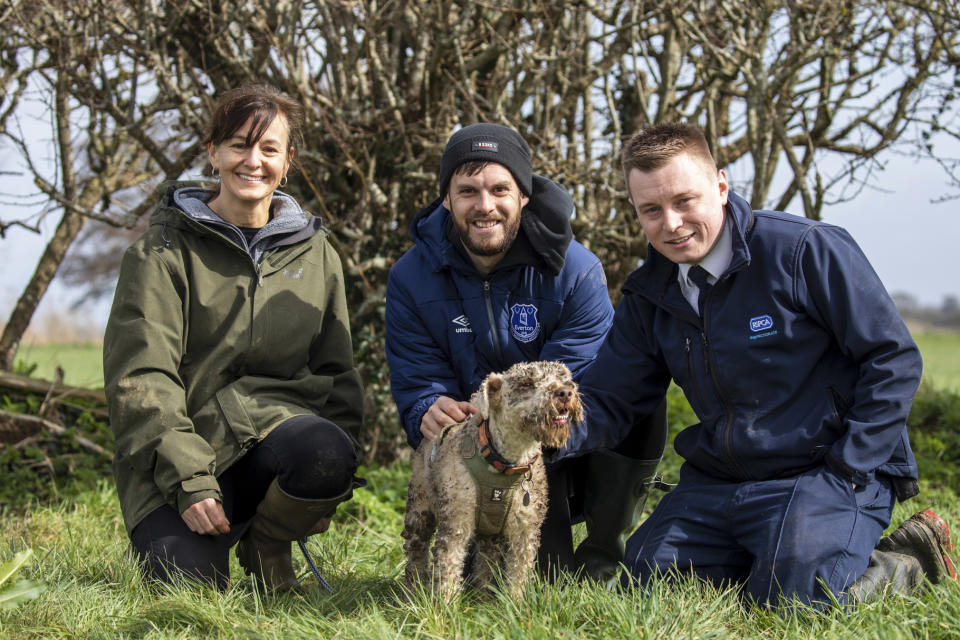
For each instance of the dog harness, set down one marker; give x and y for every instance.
(495, 491)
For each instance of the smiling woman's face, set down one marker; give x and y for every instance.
(249, 174)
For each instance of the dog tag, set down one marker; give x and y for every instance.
(526, 492)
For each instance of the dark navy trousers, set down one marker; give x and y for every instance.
(781, 539)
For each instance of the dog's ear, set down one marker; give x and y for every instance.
(491, 393)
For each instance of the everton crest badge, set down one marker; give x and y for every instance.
(523, 322)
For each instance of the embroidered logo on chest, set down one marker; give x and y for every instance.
(762, 327)
(462, 324)
(524, 325)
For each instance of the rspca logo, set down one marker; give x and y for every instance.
(490, 146)
(762, 327)
(463, 324)
(761, 323)
(523, 322)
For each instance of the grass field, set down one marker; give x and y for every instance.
(83, 364)
(941, 358)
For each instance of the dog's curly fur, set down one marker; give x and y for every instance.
(529, 404)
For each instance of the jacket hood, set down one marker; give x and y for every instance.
(545, 232)
(192, 200)
(289, 223)
(654, 277)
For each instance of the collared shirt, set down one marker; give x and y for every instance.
(714, 263)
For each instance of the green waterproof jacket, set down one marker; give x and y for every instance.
(209, 346)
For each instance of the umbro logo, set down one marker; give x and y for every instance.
(463, 324)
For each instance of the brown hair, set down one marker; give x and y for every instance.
(655, 146)
(262, 102)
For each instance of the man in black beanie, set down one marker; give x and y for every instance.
(495, 278)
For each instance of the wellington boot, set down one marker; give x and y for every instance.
(916, 552)
(615, 493)
(926, 537)
(888, 572)
(281, 518)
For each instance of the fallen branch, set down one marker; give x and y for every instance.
(35, 385)
(51, 399)
(66, 396)
(57, 429)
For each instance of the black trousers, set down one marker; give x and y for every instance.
(309, 456)
(566, 481)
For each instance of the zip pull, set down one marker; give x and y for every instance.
(687, 346)
(259, 277)
(706, 354)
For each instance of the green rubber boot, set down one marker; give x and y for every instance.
(264, 550)
(616, 491)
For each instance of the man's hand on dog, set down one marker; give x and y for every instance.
(442, 413)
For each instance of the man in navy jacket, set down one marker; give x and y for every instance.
(495, 278)
(800, 371)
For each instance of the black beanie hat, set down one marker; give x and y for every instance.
(490, 142)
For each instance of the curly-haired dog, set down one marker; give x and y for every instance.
(484, 480)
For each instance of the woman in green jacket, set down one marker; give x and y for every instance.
(228, 362)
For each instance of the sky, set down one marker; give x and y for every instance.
(908, 238)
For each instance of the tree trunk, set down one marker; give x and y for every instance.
(46, 269)
(63, 237)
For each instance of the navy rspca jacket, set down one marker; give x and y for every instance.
(801, 358)
(448, 327)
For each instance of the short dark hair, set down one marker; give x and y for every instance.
(655, 146)
(262, 102)
(472, 167)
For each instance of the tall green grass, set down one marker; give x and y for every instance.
(95, 591)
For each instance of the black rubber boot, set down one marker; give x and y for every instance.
(888, 572)
(915, 552)
(616, 491)
(281, 518)
(926, 537)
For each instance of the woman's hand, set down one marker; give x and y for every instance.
(206, 517)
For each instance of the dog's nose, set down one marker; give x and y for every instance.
(564, 395)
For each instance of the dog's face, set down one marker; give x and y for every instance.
(540, 397)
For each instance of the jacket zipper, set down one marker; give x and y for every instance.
(728, 410)
(488, 299)
(693, 378)
(257, 266)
